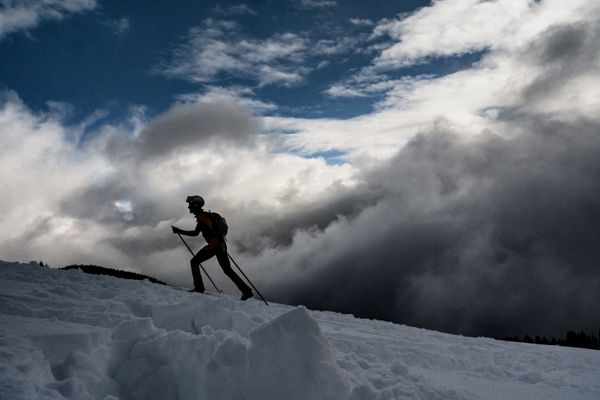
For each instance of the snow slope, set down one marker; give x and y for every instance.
(64, 334)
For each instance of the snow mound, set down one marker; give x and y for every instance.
(185, 346)
(67, 335)
(291, 353)
(283, 358)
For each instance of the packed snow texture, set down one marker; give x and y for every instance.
(65, 334)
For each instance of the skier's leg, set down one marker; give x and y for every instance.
(203, 255)
(226, 266)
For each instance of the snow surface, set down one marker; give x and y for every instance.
(65, 334)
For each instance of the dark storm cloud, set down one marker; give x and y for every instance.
(488, 237)
(152, 241)
(97, 203)
(268, 230)
(139, 231)
(191, 124)
(498, 235)
(564, 52)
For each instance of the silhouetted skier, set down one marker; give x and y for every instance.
(216, 246)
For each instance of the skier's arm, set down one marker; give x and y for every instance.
(195, 232)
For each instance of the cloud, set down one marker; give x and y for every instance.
(215, 119)
(337, 45)
(119, 27)
(317, 4)
(484, 236)
(39, 168)
(111, 199)
(242, 96)
(481, 223)
(570, 61)
(24, 15)
(369, 82)
(238, 9)
(218, 48)
(361, 21)
(524, 70)
(433, 31)
(497, 30)
(194, 124)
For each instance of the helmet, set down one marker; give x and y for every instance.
(195, 200)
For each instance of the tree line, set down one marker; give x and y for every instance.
(118, 273)
(572, 339)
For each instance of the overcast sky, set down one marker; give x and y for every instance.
(430, 163)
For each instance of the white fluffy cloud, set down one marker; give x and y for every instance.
(217, 47)
(17, 15)
(111, 200)
(39, 169)
(539, 56)
(502, 29)
(454, 27)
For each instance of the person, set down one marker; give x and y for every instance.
(215, 246)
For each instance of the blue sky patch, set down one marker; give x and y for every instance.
(119, 54)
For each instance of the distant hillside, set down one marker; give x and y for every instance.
(98, 270)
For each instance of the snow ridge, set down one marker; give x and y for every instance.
(67, 335)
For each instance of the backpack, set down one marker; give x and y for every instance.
(219, 223)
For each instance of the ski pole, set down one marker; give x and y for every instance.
(248, 279)
(207, 275)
